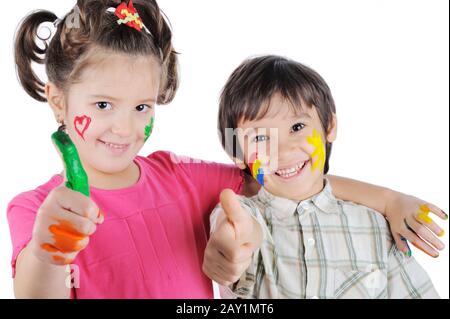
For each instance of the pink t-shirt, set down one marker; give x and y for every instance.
(152, 242)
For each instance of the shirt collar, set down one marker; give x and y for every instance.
(283, 207)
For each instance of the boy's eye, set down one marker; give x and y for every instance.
(103, 105)
(260, 138)
(297, 127)
(142, 108)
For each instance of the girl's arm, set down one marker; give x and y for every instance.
(407, 215)
(37, 279)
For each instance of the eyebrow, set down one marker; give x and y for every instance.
(303, 114)
(112, 98)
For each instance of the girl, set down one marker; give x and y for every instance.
(143, 231)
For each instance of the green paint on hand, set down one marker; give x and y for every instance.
(77, 178)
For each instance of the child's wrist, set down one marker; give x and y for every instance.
(390, 197)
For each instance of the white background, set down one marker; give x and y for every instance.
(385, 61)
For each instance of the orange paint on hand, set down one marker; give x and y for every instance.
(418, 247)
(49, 248)
(61, 260)
(66, 237)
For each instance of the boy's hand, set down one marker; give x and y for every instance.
(229, 250)
(409, 218)
(63, 225)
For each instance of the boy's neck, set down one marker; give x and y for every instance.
(314, 190)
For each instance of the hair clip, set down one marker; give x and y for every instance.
(128, 15)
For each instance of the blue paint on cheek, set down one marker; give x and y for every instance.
(260, 177)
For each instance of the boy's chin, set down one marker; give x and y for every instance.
(297, 191)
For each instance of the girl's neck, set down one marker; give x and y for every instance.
(106, 181)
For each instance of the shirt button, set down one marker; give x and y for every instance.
(311, 241)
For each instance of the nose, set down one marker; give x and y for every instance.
(287, 147)
(123, 124)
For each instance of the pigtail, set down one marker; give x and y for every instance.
(27, 51)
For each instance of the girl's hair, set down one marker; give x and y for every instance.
(87, 27)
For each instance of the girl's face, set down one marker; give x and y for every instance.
(110, 112)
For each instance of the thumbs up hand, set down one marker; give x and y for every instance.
(230, 248)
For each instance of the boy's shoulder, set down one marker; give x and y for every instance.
(357, 211)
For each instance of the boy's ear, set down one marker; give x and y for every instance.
(55, 99)
(332, 130)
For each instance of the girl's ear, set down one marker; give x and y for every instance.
(55, 99)
(332, 130)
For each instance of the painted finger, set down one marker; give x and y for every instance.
(426, 234)
(417, 242)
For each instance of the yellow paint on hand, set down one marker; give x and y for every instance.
(423, 214)
(319, 152)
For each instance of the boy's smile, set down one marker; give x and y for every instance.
(294, 167)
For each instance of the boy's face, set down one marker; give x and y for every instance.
(110, 110)
(292, 159)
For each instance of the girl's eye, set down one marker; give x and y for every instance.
(103, 105)
(260, 138)
(142, 108)
(297, 127)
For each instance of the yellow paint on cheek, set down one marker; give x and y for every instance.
(255, 167)
(319, 152)
(423, 214)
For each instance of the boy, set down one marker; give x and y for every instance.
(294, 239)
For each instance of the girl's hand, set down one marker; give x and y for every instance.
(409, 219)
(63, 225)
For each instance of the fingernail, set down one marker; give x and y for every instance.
(100, 217)
(408, 252)
(446, 216)
(441, 233)
(436, 256)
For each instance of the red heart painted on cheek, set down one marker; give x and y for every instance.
(81, 124)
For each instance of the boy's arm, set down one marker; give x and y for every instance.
(407, 215)
(406, 279)
(235, 235)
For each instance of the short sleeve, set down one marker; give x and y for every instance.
(21, 213)
(208, 178)
(211, 178)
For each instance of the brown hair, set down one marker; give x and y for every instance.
(67, 53)
(249, 89)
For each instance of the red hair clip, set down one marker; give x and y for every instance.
(128, 15)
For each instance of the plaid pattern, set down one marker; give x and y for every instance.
(324, 247)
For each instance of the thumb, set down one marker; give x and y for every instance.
(236, 215)
(76, 177)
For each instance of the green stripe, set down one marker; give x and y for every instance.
(321, 253)
(378, 239)
(348, 238)
(413, 292)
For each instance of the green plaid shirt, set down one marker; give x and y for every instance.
(324, 247)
